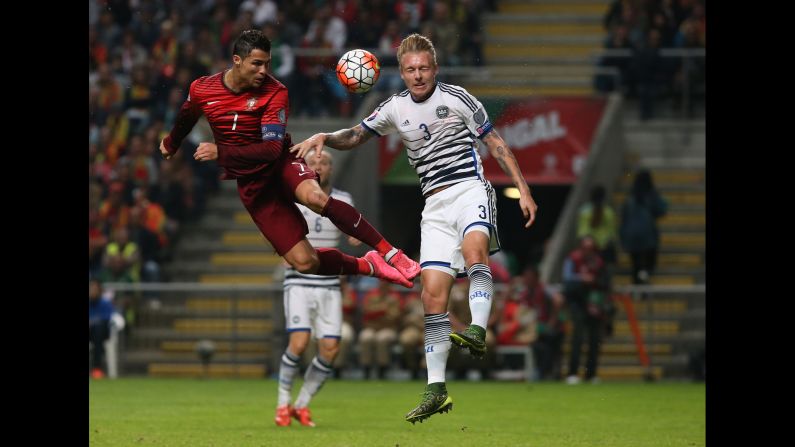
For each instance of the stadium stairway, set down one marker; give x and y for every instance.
(672, 324)
(672, 328)
(545, 47)
(241, 326)
(675, 153)
(223, 248)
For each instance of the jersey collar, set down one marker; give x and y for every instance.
(433, 90)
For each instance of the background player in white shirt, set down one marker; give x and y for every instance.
(438, 124)
(312, 304)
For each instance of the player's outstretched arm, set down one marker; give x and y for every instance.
(343, 139)
(186, 118)
(500, 151)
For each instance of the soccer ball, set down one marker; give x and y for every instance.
(357, 70)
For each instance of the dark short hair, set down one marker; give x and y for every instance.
(249, 40)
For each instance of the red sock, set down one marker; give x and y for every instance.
(352, 223)
(335, 262)
(383, 247)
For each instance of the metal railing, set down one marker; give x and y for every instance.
(155, 307)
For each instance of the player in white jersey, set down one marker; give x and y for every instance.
(438, 124)
(312, 304)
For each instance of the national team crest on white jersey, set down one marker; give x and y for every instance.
(439, 134)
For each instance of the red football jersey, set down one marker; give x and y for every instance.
(240, 119)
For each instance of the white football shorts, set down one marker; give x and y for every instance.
(449, 215)
(318, 309)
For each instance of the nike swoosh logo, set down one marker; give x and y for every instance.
(304, 173)
(356, 225)
(212, 102)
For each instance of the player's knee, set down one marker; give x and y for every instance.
(329, 353)
(427, 295)
(298, 343)
(307, 267)
(432, 298)
(298, 348)
(318, 200)
(305, 263)
(475, 255)
(475, 247)
(315, 199)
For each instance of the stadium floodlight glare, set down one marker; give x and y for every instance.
(511, 193)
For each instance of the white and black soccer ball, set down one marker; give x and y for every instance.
(358, 70)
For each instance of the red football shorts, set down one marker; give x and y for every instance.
(269, 197)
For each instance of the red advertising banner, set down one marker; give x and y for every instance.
(550, 137)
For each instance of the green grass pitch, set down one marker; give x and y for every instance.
(185, 412)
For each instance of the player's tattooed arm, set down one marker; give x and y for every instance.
(507, 161)
(348, 138)
(343, 139)
(499, 150)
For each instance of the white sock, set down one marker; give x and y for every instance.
(481, 289)
(287, 371)
(317, 373)
(388, 256)
(437, 345)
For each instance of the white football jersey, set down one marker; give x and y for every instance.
(322, 234)
(438, 133)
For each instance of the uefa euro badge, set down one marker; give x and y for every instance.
(442, 112)
(251, 102)
(282, 118)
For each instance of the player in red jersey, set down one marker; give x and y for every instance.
(247, 109)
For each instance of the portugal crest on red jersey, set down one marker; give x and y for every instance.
(251, 102)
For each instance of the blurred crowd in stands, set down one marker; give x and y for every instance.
(642, 28)
(143, 55)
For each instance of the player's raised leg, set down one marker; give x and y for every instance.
(330, 261)
(283, 225)
(349, 220)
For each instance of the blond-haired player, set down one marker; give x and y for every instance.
(439, 124)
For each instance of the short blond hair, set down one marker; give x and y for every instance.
(416, 43)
